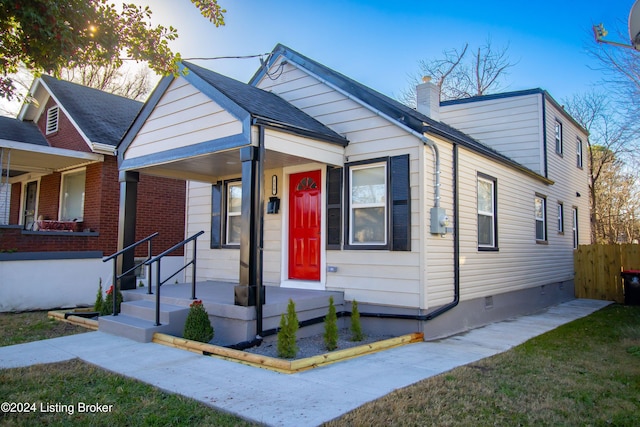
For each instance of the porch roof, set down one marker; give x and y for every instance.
(25, 150)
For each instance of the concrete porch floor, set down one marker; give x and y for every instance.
(234, 324)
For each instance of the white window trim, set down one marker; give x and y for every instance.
(227, 213)
(560, 218)
(489, 214)
(61, 198)
(53, 119)
(383, 204)
(579, 153)
(558, 137)
(543, 220)
(574, 227)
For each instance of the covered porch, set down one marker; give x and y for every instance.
(233, 324)
(255, 165)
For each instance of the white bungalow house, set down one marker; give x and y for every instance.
(435, 220)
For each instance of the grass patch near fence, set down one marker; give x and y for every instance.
(18, 328)
(586, 372)
(74, 385)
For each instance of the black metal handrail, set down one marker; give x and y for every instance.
(157, 260)
(117, 277)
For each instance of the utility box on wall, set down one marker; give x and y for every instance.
(439, 221)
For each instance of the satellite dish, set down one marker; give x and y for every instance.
(634, 25)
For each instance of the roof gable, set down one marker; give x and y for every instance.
(265, 106)
(102, 117)
(403, 114)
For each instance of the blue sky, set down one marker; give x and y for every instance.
(379, 43)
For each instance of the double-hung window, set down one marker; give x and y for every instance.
(368, 204)
(233, 212)
(558, 137)
(487, 219)
(579, 153)
(560, 218)
(540, 209)
(377, 195)
(72, 195)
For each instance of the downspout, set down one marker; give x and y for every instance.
(260, 203)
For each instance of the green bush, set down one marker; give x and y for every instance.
(107, 305)
(287, 346)
(356, 327)
(331, 327)
(198, 326)
(97, 306)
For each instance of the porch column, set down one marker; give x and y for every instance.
(127, 225)
(246, 293)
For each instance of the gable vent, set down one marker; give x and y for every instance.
(52, 120)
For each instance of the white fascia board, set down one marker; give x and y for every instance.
(44, 149)
(101, 148)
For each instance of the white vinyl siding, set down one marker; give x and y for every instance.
(378, 277)
(183, 117)
(510, 125)
(53, 114)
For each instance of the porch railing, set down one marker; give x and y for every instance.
(157, 260)
(117, 277)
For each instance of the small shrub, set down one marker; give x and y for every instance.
(97, 306)
(198, 326)
(356, 327)
(287, 346)
(331, 327)
(107, 305)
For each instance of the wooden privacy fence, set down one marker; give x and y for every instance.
(598, 269)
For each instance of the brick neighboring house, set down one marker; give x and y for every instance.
(60, 197)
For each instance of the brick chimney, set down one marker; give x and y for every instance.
(428, 99)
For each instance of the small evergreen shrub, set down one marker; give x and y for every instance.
(198, 326)
(356, 327)
(331, 327)
(287, 347)
(97, 306)
(107, 305)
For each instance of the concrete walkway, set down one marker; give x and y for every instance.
(304, 399)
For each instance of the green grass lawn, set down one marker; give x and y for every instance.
(16, 328)
(584, 373)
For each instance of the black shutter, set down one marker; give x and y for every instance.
(400, 203)
(334, 207)
(216, 212)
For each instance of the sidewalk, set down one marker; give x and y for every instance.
(303, 399)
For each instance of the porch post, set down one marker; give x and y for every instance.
(127, 225)
(246, 293)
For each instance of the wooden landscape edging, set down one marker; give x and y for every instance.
(282, 365)
(76, 320)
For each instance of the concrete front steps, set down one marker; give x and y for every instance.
(136, 320)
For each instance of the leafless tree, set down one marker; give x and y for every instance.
(462, 73)
(611, 142)
(132, 82)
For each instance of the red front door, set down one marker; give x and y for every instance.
(304, 225)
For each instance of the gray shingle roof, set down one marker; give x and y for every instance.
(102, 116)
(265, 105)
(392, 108)
(16, 130)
